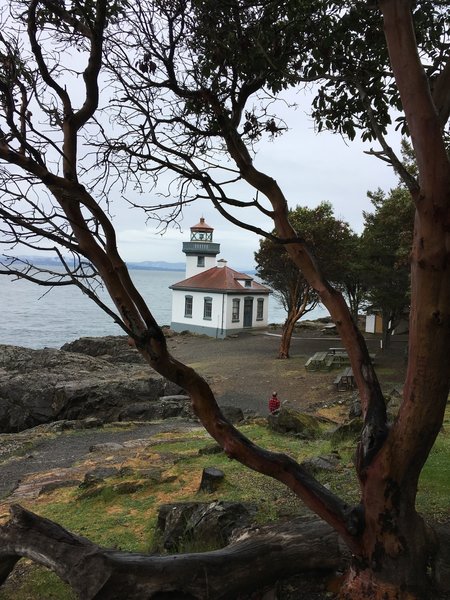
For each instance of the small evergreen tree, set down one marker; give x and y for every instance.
(387, 241)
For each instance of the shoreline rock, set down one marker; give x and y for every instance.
(46, 385)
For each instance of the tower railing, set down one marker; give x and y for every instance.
(201, 248)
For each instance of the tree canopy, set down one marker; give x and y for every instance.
(387, 241)
(329, 238)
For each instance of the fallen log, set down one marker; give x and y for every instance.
(257, 558)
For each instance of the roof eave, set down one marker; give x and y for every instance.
(219, 290)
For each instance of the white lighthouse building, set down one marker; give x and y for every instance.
(214, 299)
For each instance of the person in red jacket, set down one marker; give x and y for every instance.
(274, 403)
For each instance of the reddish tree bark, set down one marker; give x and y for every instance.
(289, 327)
(395, 538)
(286, 336)
(393, 546)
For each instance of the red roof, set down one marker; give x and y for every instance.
(202, 226)
(221, 279)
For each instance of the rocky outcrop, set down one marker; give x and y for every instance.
(41, 386)
(113, 348)
(167, 407)
(347, 431)
(234, 414)
(288, 420)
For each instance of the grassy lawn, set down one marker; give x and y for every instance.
(111, 516)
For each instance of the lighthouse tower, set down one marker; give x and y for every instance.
(200, 251)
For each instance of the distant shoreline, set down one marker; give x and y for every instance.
(146, 265)
(139, 267)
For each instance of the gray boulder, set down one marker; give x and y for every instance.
(113, 348)
(321, 463)
(41, 386)
(349, 431)
(167, 407)
(98, 475)
(393, 401)
(234, 414)
(211, 480)
(355, 408)
(288, 420)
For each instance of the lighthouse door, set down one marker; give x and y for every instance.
(248, 312)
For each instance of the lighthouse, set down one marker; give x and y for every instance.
(214, 299)
(200, 251)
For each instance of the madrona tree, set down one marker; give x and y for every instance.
(195, 86)
(333, 242)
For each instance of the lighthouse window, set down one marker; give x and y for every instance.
(235, 310)
(207, 308)
(188, 306)
(200, 261)
(260, 309)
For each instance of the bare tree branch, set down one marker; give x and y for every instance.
(388, 154)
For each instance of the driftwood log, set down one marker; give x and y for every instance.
(259, 557)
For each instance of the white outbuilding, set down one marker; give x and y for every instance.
(214, 299)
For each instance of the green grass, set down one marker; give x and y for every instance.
(37, 583)
(433, 497)
(108, 519)
(127, 521)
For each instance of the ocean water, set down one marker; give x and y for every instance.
(37, 317)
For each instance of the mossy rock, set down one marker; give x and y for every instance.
(347, 432)
(288, 420)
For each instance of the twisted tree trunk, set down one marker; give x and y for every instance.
(259, 559)
(286, 335)
(397, 547)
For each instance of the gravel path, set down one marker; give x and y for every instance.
(68, 448)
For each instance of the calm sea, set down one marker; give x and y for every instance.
(37, 317)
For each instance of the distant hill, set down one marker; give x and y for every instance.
(149, 265)
(44, 261)
(146, 265)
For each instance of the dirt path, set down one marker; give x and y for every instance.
(243, 371)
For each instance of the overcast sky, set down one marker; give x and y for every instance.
(309, 167)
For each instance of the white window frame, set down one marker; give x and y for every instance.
(260, 309)
(187, 313)
(235, 310)
(207, 308)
